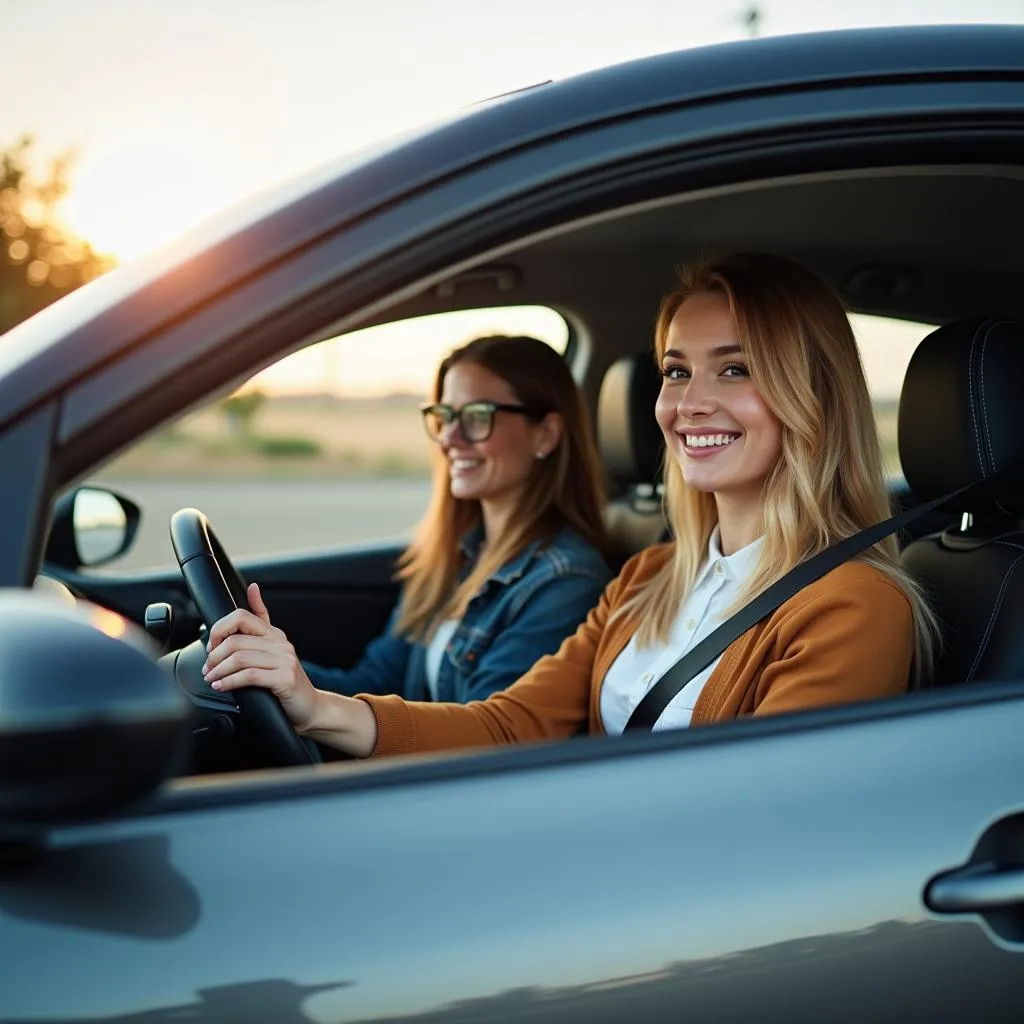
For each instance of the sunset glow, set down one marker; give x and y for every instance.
(130, 202)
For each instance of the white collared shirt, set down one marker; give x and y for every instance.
(636, 670)
(435, 652)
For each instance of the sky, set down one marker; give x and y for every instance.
(177, 108)
(174, 100)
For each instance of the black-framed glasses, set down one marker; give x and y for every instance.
(476, 419)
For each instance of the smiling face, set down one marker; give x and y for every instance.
(493, 472)
(716, 424)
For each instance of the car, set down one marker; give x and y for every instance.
(163, 858)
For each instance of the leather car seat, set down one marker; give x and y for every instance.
(961, 419)
(631, 447)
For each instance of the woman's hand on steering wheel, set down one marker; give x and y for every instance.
(246, 649)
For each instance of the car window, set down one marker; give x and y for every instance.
(325, 447)
(886, 346)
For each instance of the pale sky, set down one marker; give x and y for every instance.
(180, 107)
(220, 98)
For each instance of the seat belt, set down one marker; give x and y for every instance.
(654, 702)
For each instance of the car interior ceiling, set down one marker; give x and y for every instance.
(928, 244)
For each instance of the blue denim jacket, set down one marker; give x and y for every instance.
(522, 612)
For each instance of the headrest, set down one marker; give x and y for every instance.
(961, 415)
(628, 434)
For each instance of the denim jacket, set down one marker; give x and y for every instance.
(522, 612)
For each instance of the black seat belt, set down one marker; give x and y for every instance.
(654, 702)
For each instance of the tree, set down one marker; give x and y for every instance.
(40, 260)
(240, 410)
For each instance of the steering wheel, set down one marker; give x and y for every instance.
(218, 589)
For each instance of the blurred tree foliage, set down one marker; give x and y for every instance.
(240, 410)
(39, 259)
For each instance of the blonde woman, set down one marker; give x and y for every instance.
(771, 457)
(510, 555)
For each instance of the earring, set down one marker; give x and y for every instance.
(541, 455)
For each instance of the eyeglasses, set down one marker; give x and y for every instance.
(476, 419)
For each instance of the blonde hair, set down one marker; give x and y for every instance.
(566, 488)
(828, 484)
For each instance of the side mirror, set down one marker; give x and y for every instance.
(89, 722)
(91, 526)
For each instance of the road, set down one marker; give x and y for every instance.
(254, 517)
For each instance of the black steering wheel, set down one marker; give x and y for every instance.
(218, 589)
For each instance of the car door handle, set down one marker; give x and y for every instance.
(978, 888)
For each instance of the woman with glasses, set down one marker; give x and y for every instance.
(510, 555)
(771, 457)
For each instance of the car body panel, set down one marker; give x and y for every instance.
(24, 451)
(608, 886)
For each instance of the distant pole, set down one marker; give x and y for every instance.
(751, 18)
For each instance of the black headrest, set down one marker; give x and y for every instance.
(961, 415)
(628, 434)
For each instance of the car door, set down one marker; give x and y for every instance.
(774, 869)
(763, 868)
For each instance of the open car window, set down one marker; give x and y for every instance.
(323, 448)
(886, 345)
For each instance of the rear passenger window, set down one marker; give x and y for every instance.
(325, 447)
(886, 346)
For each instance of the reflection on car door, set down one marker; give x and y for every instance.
(769, 868)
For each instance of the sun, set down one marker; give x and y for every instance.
(130, 202)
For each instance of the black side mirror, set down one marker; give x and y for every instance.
(89, 722)
(91, 526)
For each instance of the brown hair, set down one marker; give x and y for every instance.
(828, 484)
(567, 488)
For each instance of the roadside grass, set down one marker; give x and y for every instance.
(293, 437)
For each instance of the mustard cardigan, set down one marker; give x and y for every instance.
(848, 636)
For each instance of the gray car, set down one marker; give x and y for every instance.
(169, 855)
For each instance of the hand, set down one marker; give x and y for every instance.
(246, 650)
